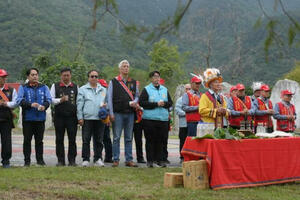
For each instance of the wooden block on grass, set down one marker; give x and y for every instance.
(173, 180)
(195, 174)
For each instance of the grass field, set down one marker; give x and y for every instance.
(118, 183)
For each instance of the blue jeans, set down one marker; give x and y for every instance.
(192, 128)
(122, 121)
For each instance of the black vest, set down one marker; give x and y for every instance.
(121, 98)
(5, 112)
(67, 108)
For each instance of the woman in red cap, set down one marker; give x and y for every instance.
(285, 112)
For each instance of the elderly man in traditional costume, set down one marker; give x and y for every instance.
(240, 107)
(285, 112)
(212, 105)
(264, 109)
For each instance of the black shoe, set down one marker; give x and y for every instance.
(27, 164)
(41, 163)
(141, 161)
(108, 160)
(162, 164)
(150, 164)
(60, 164)
(167, 161)
(72, 164)
(6, 166)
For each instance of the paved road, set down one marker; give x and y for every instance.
(51, 160)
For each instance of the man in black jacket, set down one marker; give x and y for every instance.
(64, 94)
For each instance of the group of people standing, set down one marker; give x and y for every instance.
(95, 106)
(218, 110)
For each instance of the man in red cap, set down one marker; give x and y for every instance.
(190, 105)
(264, 109)
(240, 107)
(233, 91)
(8, 98)
(285, 112)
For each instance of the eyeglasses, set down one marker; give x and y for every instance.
(187, 88)
(94, 76)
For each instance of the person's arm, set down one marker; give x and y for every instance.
(144, 102)
(137, 94)
(13, 103)
(257, 111)
(48, 98)
(21, 101)
(80, 104)
(110, 99)
(231, 108)
(169, 103)
(277, 114)
(252, 110)
(185, 104)
(55, 101)
(178, 108)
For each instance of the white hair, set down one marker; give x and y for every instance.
(122, 62)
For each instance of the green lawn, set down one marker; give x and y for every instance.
(118, 183)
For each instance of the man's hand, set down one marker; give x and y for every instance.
(160, 103)
(270, 112)
(64, 98)
(81, 122)
(41, 108)
(111, 118)
(133, 104)
(221, 111)
(3, 103)
(35, 105)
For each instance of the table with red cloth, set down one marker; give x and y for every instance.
(247, 162)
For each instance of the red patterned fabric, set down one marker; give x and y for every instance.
(286, 125)
(193, 101)
(239, 105)
(265, 119)
(246, 163)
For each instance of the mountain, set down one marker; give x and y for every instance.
(29, 28)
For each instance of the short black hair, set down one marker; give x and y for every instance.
(151, 74)
(89, 72)
(65, 69)
(30, 69)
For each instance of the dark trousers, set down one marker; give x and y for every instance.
(6, 148)
(107, 144)
(182, 137)
(138, 138)
(154, 134)
(36, 129)
(95, 129)
(61, 125)
(165, 143)
(192, 128)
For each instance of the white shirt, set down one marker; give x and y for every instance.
(13, 102)
(56, 101)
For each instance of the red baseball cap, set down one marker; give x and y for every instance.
(103, 82)
(233, 88)
(265, 88)
(161, 81)
(3, 73)
(240, 86)
(286, 92)
(196, 80)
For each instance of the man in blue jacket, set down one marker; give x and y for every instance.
(91, 97)
(34, 98)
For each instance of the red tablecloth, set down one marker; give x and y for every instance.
(248, 162)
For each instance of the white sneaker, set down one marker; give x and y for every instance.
(85, 163)
(99, 163)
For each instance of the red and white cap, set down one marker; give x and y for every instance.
(3, 73)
